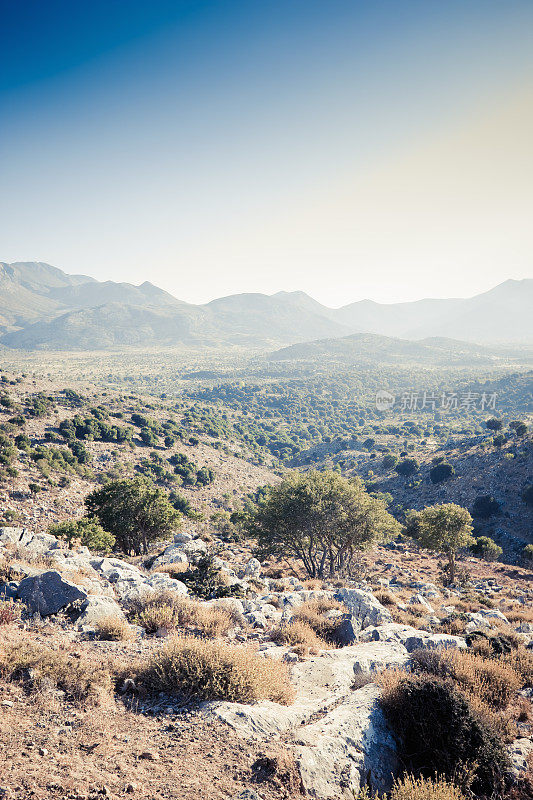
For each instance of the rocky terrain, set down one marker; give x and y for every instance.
(194, 666)
(332, 738)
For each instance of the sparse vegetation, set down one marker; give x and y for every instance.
(204, 670)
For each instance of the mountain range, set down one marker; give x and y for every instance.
(42, 307)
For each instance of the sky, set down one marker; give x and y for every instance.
(352, 150)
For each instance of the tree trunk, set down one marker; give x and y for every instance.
(451, 566)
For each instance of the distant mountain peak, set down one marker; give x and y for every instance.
(40, 304)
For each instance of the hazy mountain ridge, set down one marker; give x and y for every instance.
(43, 307)
(367, 347)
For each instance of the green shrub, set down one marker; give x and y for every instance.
(441, 472)
(407, 467)
(85, 530)
(527, 553)
(440, 733)
(485, 506)
(485, 547)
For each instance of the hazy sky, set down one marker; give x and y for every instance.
(376, 149)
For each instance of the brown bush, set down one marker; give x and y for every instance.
(385, 598)
(174, 570)
(113, 629)
(9, 612)
(170, 612)
(312, 613)
(491, 681)
(38, 667)
(297, 633)
(521, 661)
(411, 788)
(408, 618)
(519, 614)
(204, 670)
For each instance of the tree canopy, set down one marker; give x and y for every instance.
(445, 528)
(321, 519)
(135, 511)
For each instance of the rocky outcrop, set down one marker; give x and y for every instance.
(95, 609)
(351, 747)
(49, 593)
(338, 735)
(411, 638)
(364, 607)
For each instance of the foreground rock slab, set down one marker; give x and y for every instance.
(48, 593)
(347, 749)
(337, 734)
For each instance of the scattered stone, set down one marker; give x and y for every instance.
(48, 592)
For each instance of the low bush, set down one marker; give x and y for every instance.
(486, 548)
(205, 580)
(167, 611)
(203, 670)
(411, 788)
(492, 681)
(38, 667)
(85, 531)
(312, 614)
(440, 732)
(9, 612)
(521, 661)
(296, 633)
(113, 629)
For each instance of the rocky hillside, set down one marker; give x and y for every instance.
(310, 723)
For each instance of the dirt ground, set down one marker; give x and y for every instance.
(52, 750)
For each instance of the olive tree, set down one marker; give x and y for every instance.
(85, 531)
(135, 511)
(321, 519)
(445, 528)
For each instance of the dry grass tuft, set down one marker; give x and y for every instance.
(113, 629)
(40, 668)
(521, 661)
(312, 614)
(204, 670)
(492, 681)
(167, 611)
(411, 788)
(9, 612)
(298, 633)
(385, 598)
(174, 570)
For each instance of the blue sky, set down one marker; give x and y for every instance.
(351, 149)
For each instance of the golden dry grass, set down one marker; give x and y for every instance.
(491, 681)
(113, 629)
(206, 670)
(166, 611)
(411, 788)
(296, 633)
(40, 668)
(312, 614)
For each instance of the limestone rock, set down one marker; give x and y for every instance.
(48, 593)
(348, 748)
(364, 606)
(94, 609)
